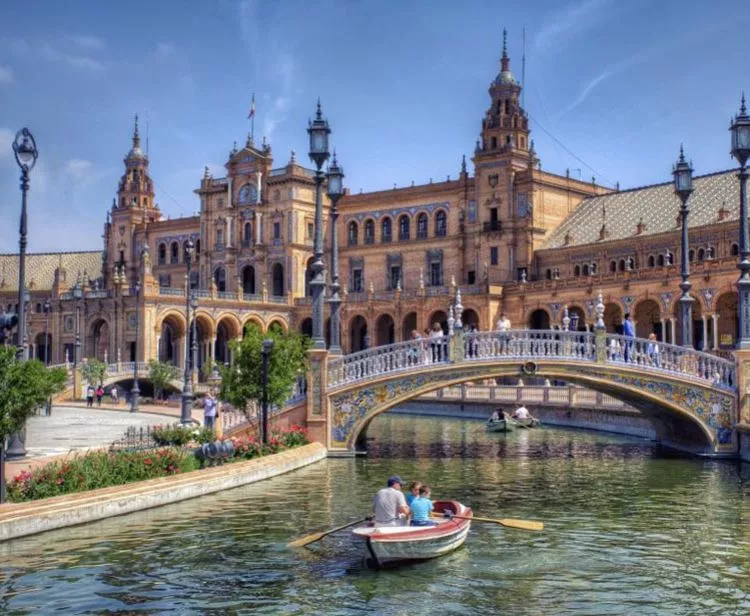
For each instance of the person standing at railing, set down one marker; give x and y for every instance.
(503, 327)
(416, 350)
(628, 330)
(436, 342)
(652, 350)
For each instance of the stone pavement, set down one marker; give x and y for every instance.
(72, 427)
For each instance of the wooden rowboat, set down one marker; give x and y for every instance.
(394, 545)
(529, 422)
(500, 425)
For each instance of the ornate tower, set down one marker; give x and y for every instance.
(134, 206)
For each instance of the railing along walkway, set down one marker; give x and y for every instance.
(529, 345)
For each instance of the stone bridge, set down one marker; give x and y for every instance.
(690, 397)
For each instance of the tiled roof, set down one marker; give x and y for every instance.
(655, 206)
(40, 268)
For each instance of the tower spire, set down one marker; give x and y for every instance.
(136, 134)
(505, 61)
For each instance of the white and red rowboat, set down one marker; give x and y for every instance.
(392, 545)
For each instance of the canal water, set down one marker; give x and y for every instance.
(627, 531)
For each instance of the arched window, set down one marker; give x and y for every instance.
(734, 250)
(660, 260)
(422, 226)
(247, 234)
(548, 274)
(174, 250)
(710, 253)
(577, 270)
(404, 227)
(441, 224)
(277, 280)
(585, 269)
(369, 231)
(162, 254)
(220, 278)
(701, 254)
(622, 265)
(386, 231)
(651, 261)
(691, 255)
(248, 280)
(613, 266)
(593, 268)
(353, 233)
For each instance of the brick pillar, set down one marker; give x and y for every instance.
(600, 343)
(318, 413)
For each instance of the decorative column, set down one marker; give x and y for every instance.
(683, 187)
(663, 330)
(335, 191)
(673, 329)
(318, 130)
(715, 331)
(704, 318)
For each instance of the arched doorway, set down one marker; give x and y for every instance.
(698, 334)
(248, 280)
(43, 347)
(439, 317)
(358, 338)
(539, 319)
(169, 341)
(223, 336)
(647, 317)
(727, 326)
(98, 341)
(577, 319)
(306, 327)
(202, 330)
(385, 330)
(277, 326)
(613, 318)
(470, 319)
(409, 325)
(277, 280)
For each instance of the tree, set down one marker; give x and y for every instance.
(93, 371)
(161, 375)
(242, 381)
(24, 386)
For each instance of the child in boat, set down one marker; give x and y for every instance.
(421, 508)
(413, 492)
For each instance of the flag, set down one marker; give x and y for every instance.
(252, 109)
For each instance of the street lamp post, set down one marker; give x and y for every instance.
(77, 293)
(47, 307)
(194, 345)
(24, 149)
(267, 348)
(318, 130)
(740, 129)
(683, 186)
(335, 192)
(186, 414)
(135, 392)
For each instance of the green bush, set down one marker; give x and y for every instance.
(172, 435)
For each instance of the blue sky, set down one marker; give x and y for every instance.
(404, 86)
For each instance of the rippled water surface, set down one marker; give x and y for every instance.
(627, 532)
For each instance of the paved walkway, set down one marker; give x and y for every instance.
(73, 427)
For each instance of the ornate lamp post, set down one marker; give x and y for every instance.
(318, 130)
(683, 186)
(266, 353)
(187, 398)
(740, 129)
(335, 192)
(77, 293)
(194, 329)
(24, 149)
(47, 307)
(135, 392)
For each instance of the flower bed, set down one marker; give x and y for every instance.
(101, 469)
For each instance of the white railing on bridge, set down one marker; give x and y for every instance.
(529, 345)
(126, 367)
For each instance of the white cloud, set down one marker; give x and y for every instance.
(567, 23)
(78, 168)
(72, 60)
(6, 75)
(88, 42)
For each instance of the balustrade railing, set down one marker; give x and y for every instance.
(530, 344)
(175, 291)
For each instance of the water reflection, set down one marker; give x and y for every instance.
(627, 532)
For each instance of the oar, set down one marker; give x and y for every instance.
(307, 539)
(509, 522)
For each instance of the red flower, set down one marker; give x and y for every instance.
(148, 462)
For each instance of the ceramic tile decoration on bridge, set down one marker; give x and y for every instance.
(690, 396)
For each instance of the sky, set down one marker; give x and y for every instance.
(612, 89)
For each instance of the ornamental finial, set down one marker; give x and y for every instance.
(599, 311)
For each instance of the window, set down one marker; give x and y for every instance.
(441, 224)
(548, 274)
(369, 231)
(310, 230)
(691, 255)
(165, 280)
(471, 277)
(404, 227)
(122, 256)
(734, 250)
(577, 270)
(162, 254)
(422, 226)
(613, 266)
(436, 274)
(593, 268)
(247, 236)
(621, 265)
(660, 260)
(357, 282)
(276, 231)
(174, 250)
(219, 239)
(701, 254)
(395, 277)
(193, 280)
(493, 255)
(386, 231)
(585, 269)
(353, 233)
(220, 278)
(494, 143)
(651, 261)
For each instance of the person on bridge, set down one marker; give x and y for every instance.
(652, 350)
(503, 323)
(390, 505)
(628, 330)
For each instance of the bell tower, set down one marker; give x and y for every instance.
(132, 207)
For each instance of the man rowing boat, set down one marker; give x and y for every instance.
(390, 505)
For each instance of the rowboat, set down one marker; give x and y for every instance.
(394, 545)
(500, 425)
(529, 422)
